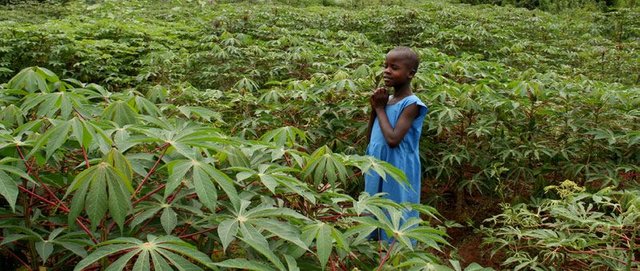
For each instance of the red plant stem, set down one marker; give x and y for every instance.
(53, 195)
(152, 170)
(29, 171)
(333, 266)
(386, 257)
(149, 194)
(22, 157)
(32, 194)
(86, 158)
(196, 233)
(19, 260)
(173, 196)
(85, 229)
(63, 208)
(113, 224)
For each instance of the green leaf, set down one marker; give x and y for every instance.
(205, 189)
(227, 231)
(142, 263)
(121, 263)
(177, 171)
(146, 214)
(32, 79)
(56, 137)
(244, 264)
(121, 113)
(44, 249)
(102, 252)
(177, 261)
(185, 249)
(225, 183)
(159, 263)
(291, 263)
(281, 229)
(8, 189)
(119, 199)
(97, 202)
(168, 219)
(107, 189)
(254, 239)
(323, 243)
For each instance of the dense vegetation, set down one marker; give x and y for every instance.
(193, 134)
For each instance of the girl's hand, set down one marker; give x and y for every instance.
(379, 98)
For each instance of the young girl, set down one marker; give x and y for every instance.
(394, 130)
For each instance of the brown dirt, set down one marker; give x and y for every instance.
(466, 242)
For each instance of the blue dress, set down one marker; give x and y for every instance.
(405, 157)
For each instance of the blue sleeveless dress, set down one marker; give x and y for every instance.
(405, 156)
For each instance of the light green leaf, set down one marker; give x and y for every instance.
(44, 249)
(169, 220)
(205, 189)
(244, 264)
(254, 239)
(142, 263)
(102, 252)
(323, 243)
(97, 203)
(8, 189)
(121, 263)
(227, 231)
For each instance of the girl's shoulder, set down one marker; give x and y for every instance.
(413, 99)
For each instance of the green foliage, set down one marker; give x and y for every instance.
(559, 5)
(236, 128)
(107, 159)
(579, 231)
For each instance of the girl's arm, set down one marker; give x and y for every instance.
(372, 116)
(394, 135)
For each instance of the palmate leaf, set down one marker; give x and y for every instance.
(325, 235)
(184, 136)
(382, 168)
(8, 185)
(54, 138)
(257, 241)
(50, 104)
(33, 79)
(323, 163)
(9, 189)
(284, 136)
(163, 252)
(204, 113)
(261, 219)
(244, 264)
(203, 176)
(100, 188)
(121, 112)
(275, 177)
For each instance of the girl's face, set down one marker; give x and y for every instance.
(397, 71)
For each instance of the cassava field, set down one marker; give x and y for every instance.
(230, 135)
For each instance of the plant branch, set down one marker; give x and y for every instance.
(149, 194)
(62, 207)
(196, 233)
(386, 256)
(86, 158)
(151, 171)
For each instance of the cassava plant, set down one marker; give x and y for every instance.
(111, 180)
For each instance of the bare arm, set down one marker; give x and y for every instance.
(394, 135)
(372, 116)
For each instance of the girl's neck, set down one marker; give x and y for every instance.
(402, 92)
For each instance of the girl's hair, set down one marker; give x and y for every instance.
(409, 55)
